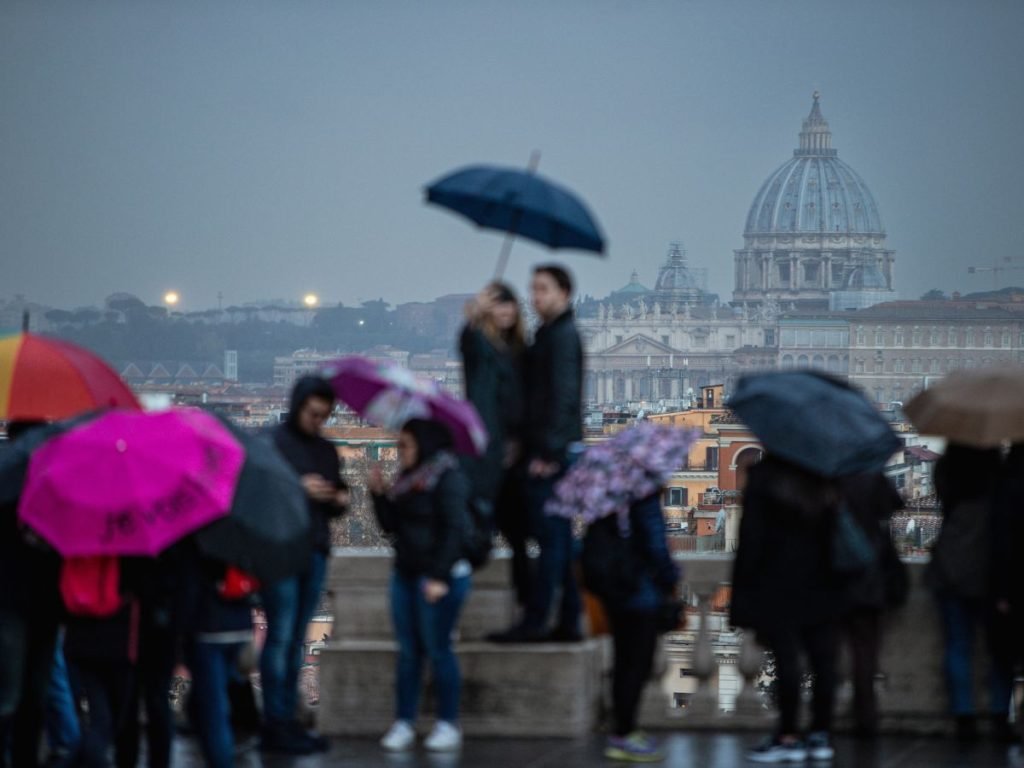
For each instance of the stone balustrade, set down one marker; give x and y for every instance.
(710, 676)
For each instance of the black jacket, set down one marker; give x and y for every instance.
(553, 387)
(782, 574)
(429, 529)
(495, 388)
(311, 454)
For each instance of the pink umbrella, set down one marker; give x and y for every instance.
(389, 395)
(129, 483)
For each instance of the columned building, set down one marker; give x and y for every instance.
(813, 237)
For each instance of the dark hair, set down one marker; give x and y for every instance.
(964, 473)
(305, 388)
(431, 438)
(558, 273)
(503, 293)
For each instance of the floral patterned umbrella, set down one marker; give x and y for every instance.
(610, 476)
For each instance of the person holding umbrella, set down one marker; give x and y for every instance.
(492, 345)
(426, 512)
(290, 602)
(798, 544)
(553, 430)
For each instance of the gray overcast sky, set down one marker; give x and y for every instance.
(264, 149)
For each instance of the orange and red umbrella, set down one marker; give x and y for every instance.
(46, 379)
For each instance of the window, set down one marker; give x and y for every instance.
(969, 337)
(618, 339)
(916, 339)
(812, 273)
(802, 361)
(711, 457)
(862, 337)
(676, 497)
(664, 340)
(897, 365)
(787, 362)
(769, 337)
(858, 365)
(1005, 341)
(935, 338)
(784, 274)
(915, 365)
(879, 338)
(934, 365)
(988, 338)
(969, 363)
(897, 337)
(730, 341)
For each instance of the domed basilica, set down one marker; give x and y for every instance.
(813, 235)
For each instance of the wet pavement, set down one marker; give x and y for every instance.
(700, 750)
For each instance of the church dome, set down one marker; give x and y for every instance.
(814, 191)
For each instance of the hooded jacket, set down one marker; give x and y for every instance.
(312, 454)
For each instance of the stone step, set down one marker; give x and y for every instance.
(533, 690)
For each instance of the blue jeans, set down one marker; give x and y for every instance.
(289, 605)
(960, 618)
(212, 666)
(555, 569)
(425, 630)
(63, 733)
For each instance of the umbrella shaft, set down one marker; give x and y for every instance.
(506, 249)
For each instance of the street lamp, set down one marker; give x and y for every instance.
(310, 300)
(171, 298)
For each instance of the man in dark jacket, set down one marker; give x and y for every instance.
(553, 428)
(290, 603)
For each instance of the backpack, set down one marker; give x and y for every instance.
(611, 567)
(480, 521)
(90, 586)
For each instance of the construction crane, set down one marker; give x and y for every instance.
(1006, 264)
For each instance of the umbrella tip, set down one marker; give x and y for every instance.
(24, 321)
(534, 160)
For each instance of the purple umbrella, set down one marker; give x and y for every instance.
(611, 476)
(389, 395)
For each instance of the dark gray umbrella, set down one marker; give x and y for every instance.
(16, 454)
(521, 203)
(816, 421)
(267, 532)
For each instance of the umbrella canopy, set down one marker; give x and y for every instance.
(980, 408)
(609, 477)
(17, 454)
(389, 395)
(44, 379)
(521, 203)
(815, 421)
(129, 483)
(267, 532)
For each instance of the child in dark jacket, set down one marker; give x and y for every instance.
(426, 512)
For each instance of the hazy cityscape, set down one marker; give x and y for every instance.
(223, 202)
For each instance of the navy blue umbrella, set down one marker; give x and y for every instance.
(816, 421)
(520, 203)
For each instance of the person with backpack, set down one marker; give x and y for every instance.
(217, 620)
(426, 513)
(785, 588)
(871, 500)
(960, 574)
(627, 565)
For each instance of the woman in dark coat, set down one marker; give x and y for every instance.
(426, 513)
(961, 575)
(1009, 553)
(636, 624)
(492, 344)
(784, 589)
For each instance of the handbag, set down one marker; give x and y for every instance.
(852, 550)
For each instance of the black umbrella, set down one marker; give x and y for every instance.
(521, 203)
(16, 455)
(816, 421)
(267, 532)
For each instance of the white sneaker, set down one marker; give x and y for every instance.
(399, 738)
(444, 738)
